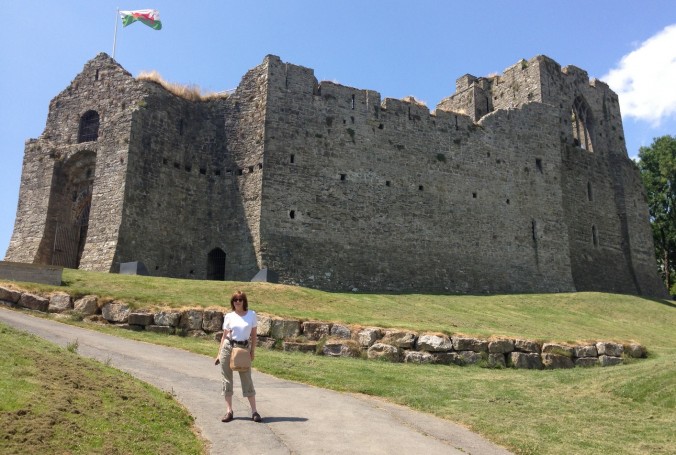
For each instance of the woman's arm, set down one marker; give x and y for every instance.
(226, 335)
(254, 338)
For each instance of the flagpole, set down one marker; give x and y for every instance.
(117, 14)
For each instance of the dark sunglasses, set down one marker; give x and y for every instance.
(238, 300)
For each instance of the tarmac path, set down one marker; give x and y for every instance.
(297, 418)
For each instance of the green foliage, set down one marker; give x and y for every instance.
(73, 346)
(657, 165)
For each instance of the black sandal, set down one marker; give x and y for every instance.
(256, 417)
(228, 417)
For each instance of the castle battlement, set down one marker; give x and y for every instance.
(512, 184)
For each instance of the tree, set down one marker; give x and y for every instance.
(657, 165)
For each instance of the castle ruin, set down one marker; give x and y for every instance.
(518, 182)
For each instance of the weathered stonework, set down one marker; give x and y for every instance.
(432, 347)
(518, 182)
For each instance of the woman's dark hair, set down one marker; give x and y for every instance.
(239, 295)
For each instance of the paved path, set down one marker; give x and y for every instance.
(297, 419)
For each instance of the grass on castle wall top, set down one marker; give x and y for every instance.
(569, 317)
(53, 401)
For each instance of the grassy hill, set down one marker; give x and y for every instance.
(624, 409)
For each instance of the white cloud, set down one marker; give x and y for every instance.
(645, 79)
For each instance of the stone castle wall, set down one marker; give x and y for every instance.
(331, 187)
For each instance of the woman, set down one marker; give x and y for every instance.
(239, 328)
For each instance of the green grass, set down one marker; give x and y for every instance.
(627, 409)
(53, 401)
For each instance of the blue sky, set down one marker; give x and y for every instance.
(396, 47)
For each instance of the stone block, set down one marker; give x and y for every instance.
(496, 360)
(316, 330)
(281, 329)
(558, 349)
(9, 295)
(60, 302)
(466, 357)
(553, 361)
(586, 361)
(635, 351)
(418, 357)
(212, 321)
(585, 351)
(341, 349)
(264, 342)
(34, 302)
(443, 358)
(368, 336)
(382, 351)
(86, 305)
(167, 318)
(341, 331)
(142, 319)
(607, 360)
(434, 343)
(401, 339)
(527, 346)
(191, 320)
(501, 346)
(469, 344)
(115, 312)
(525, 360)
(264, 324)
(609, 348)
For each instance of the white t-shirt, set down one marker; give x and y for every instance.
(240, 325)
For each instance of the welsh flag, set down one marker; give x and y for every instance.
(150, 17)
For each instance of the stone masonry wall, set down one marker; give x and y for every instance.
(387, 196)
(331, 187)
(45, 202)
(338, 340)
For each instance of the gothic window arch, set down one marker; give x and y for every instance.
(581, 121)
(89, 127)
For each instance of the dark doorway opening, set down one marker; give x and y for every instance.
(216, 265)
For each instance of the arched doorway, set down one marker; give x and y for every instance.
(72, 203)
(216, 265)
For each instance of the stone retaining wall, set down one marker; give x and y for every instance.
(338, 340)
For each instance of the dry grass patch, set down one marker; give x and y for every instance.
(190, 92)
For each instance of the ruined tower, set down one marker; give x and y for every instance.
(518, 182)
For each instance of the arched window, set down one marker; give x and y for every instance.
(216, 265)
(581, 121)
(89, 127)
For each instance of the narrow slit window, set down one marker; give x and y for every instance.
(292, 158)
(595, 236)
(590, 193)
(538, 164)
(292, 214)
(352, 101)
(343, 176)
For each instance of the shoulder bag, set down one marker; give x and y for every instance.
(240, 359)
